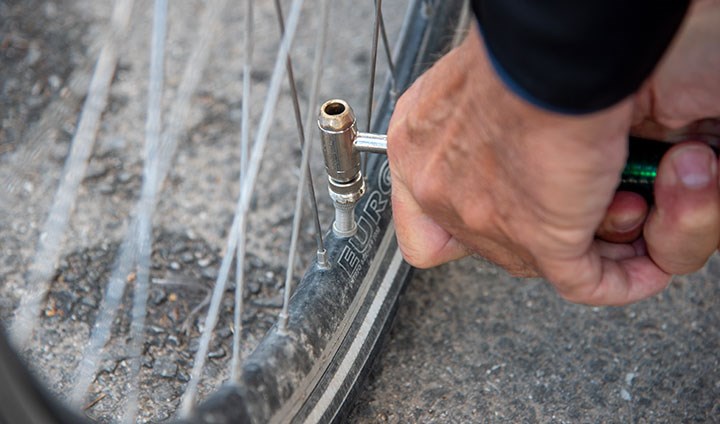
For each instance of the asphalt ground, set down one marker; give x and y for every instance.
(469, 343)
(472, 344)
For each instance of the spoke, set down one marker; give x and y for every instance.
(146, 205)
(320, 44)
(52, 234)
(242, 206)
(236, 363)
(130, 247)
(244, 146)
(373, 62)
(386, 45)
(106, 314)
(247, 78)
(373, 65)
(301, 134)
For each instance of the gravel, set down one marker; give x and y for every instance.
(47, 53)
(470, 344)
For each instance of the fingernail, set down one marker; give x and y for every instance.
(624, 223)
(695, 166)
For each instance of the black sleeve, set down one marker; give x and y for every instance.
(574, 56)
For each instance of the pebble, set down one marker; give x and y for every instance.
(219, 353)
(253, 287)
(109, 145)
(124, 177)
(71, 276)
(165, 367)
(255, 262)
(148, 361)
(629, 377)
(54, 81)
(89, 301)
(625, 395)
(69, 129)
(28, 187)
(155, 329)
(109, 366)
(106, 189)
(178, 247)
(33, 54)
(210, 273)
(272, 302)
(50, 9)
(96, 170)
(158, 296)
(224, 333)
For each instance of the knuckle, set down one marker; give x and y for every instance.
(677, 264)
(413, 255)
(685, 246)
(572, 297)
(583, 295)
(416, 126)
(427, 189)
(698, 222)
(564, 241)
(578, 285)
(573, 292)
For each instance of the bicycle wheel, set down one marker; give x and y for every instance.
(304, 371)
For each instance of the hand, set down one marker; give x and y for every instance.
(670, 106)
(477, 169)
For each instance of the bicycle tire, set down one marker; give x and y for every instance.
(338, 315)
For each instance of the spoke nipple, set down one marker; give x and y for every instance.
(322, 259)
(394, 96)
(282, 324)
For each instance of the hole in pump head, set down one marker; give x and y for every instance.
(334, 108)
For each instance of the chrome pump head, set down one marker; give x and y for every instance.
(341, 145)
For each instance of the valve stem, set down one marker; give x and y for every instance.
(341, 145)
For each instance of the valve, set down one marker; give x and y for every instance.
(341, 146)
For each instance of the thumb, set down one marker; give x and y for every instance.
(424, 244)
